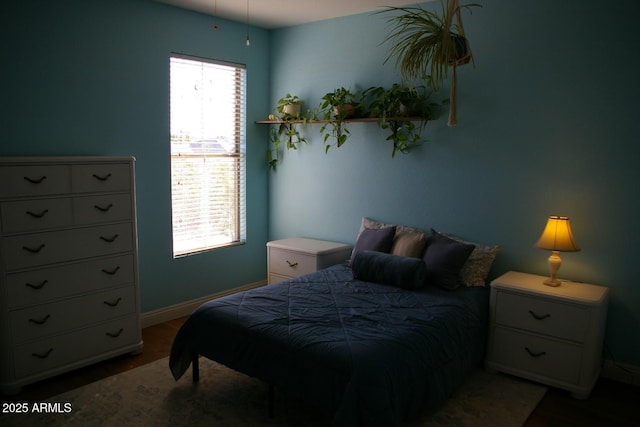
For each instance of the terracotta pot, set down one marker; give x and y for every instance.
(344, 110)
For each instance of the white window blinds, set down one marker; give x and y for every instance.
(207, 154)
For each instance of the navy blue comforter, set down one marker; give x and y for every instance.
(374, 354)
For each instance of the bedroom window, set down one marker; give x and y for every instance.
(207, 154)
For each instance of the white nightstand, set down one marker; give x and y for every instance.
(546, 334)
(294, 257)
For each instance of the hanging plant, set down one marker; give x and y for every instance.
(426, 44)
(337, 106)
(289, 113)
(397, 109)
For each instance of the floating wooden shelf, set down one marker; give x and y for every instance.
(354, 120)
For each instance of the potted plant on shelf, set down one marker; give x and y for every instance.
(285, 131)
(426, 44)
(289, 107)
(337, 106)
(398, 109)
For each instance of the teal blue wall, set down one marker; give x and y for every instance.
(92, 78)
(547, 125)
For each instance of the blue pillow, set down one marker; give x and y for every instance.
(444, 258)
(375, 239)
(378, 267)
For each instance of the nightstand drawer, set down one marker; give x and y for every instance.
(542, 316)
(275, 278)
(290, 264)
(529, 353)
(297, 256)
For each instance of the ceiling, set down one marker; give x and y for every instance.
(272, 14)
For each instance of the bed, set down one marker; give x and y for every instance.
(364, 339)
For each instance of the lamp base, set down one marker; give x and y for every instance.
(552, 281)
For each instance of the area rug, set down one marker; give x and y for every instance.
(148, 396)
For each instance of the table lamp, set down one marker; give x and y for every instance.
(556, 237)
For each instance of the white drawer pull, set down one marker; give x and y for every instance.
(534, 354)
(42, 355)
(292, 265)
(538, 316)
(40, 321)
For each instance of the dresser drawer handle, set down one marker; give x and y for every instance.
(42, 355)
(292, 265)
(36, 180)
(113, 304)
(537, 316)
(38, 215)
(36, 287)
(34, 250)
(40, 321)
(103, 209)
(533, 354)
(116, 335)
(111, 272)
(109, 239)
(103, 177)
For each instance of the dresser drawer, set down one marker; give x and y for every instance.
(34, 180)
(67, 349)
(529, 353)
(290, 264)
(46, 284)
(543, 316)
(97, 209)
(100, 177)
(37, 249)
(38, 214)
(48, 319)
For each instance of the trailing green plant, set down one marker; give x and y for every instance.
(425, 43)
(289, 114)
(401, 110)
(335, 107)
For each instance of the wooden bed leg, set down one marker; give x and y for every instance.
(195, 369)
(271, 401)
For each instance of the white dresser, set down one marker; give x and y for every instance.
(553, 335)
(289, 258)
(68, 267)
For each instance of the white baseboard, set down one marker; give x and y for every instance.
(165, 314)
(622, 372)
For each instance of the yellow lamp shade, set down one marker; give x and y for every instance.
(557, 235)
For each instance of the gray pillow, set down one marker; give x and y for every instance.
(374, 239)
(444, 258)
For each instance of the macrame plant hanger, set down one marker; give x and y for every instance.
(454, 9)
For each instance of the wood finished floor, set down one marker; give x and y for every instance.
(611, 403)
